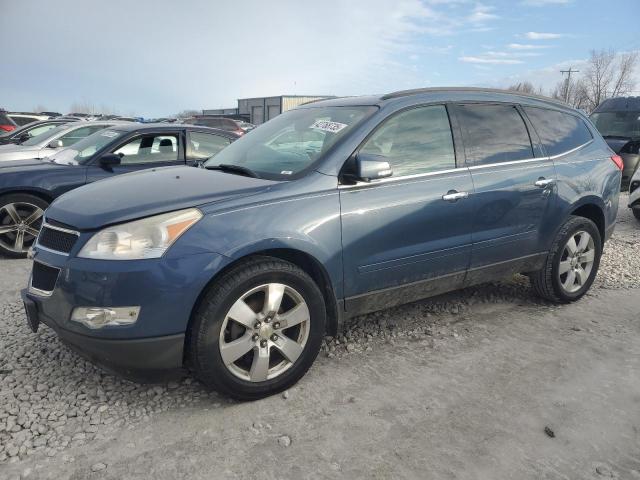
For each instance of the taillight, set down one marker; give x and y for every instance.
(239, 131)
(7, 128)
(617, 159)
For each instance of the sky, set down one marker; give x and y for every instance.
(158, 57)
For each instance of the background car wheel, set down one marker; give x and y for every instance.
(636, 213)
(572, 263)
(20, 222)
(257, 329)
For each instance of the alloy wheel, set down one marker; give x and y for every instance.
(20, 223)
(576, 261)
(264, 332)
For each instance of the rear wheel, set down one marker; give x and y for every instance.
(20, 222)
(572, 263)
(636, 213)
(258, 329)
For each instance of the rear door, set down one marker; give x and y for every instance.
(140, 152)
(407, 230)
(514, 189)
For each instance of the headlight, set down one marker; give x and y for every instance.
(146, 238)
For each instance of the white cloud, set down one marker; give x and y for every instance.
(520, 46)
(490, 60)
(544, 3)
(543, 36)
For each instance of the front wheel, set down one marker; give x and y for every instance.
(636, 213)
(20, 222)
(257, 330)
(572, 263)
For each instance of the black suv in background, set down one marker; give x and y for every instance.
(618, 121)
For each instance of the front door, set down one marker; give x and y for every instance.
(149, 150)
(413, 229)
(514, 189)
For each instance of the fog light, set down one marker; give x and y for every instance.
(98, 317)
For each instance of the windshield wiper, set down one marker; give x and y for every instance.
(225, 167)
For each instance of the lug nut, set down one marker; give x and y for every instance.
(257, 325)
(274, 337)
(263, 343)
(276, 325)
(255, 337)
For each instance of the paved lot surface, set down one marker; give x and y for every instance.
(461, 387)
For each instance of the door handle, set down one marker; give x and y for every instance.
(453, 196)
(544, 182)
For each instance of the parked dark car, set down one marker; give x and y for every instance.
(618, 120)
(6, 124)
(634, 194)
(330, 210)
(237, 126)
(30, 130)
(27, 187)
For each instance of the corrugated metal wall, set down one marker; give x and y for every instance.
(262, 109)
(289, 102)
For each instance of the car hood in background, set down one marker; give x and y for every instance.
(150, 192)
(17, 152)
(617, 143)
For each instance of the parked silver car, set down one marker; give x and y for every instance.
(47, 143)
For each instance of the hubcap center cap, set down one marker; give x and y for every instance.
(265, 331)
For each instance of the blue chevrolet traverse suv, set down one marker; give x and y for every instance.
(340, 207)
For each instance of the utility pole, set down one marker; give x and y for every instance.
(567, 83)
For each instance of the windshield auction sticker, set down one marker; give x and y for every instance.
(327, 126)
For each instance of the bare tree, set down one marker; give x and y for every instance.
(40, 108)
(573, 90)
(188, 113)
(608, 75)
(525, 87)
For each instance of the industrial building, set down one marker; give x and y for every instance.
(260, 109)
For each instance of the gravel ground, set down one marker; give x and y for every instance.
(53, 403)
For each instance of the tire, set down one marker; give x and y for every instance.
(16, 237)
(636, 213)
(213, 329)
(551, 281)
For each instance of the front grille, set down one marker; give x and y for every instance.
(43, 277)
(55, 239)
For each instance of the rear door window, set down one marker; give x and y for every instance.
(558, 131)
(493, 134)
(205, 145)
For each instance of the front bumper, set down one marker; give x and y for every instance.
(143, 359)
(165, 289)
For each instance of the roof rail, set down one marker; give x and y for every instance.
(416, 91)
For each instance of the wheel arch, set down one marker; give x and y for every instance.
(307, 262)
(42, 194)
(593, 209)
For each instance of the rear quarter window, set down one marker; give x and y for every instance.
(558, 131)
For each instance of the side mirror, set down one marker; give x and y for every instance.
(24, 137)
(371, 167)
(55, 144)
(110, 159)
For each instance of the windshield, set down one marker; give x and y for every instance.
(291, 142)
(85, 148)
(617, 124)
(44, 136)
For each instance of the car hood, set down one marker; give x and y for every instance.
(27, 164)
(150, 192)
(617, 143)
(16, 152)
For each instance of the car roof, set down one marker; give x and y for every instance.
(135, 126)
(435, 94)
(619, 104)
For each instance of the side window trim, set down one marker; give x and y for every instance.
(456, 150)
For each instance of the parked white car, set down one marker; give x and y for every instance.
(47, 143)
